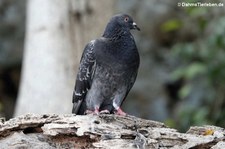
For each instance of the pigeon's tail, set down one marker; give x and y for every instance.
(79, 105)
(76, 103)
(76, 107)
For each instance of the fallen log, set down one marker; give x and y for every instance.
(50, 131)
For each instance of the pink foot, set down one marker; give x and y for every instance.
(88, 112)
(104, 112)
(120, 112)
(96, 111)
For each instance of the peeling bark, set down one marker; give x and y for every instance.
(52, 131)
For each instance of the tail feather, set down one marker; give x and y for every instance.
(76, 106)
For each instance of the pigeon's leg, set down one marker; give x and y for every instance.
(119, 111)
(96, 110)
(117, 101)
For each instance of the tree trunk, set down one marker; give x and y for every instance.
(56, 34)
(103, 131)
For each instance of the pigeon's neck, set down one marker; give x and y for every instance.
(115, 33)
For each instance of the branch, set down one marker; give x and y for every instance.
(104, 131)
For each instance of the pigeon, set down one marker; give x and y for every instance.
(108, 69)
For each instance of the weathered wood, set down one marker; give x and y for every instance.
(52, 131)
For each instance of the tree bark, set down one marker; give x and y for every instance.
(52, 131)
(56, 34)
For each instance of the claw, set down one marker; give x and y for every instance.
(120, 112)
(96, 111)
(104, 112)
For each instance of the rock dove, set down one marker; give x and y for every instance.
(108, 69)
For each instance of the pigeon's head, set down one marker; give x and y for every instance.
(124, 21)
(120, 22)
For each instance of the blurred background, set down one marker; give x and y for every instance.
(181, 79)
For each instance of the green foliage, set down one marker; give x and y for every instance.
(184, 91)
(202, 62)
(190, 71)
(171, 25)
(170, 122)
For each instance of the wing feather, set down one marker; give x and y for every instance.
(84, 78)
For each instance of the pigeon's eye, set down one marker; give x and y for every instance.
(126, 19)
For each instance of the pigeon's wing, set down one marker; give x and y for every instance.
(84, 78)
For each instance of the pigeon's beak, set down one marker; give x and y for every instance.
(135, 26)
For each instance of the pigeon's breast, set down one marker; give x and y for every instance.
(116, 65)
(118, 55)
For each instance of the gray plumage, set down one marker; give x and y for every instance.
(108, 69)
